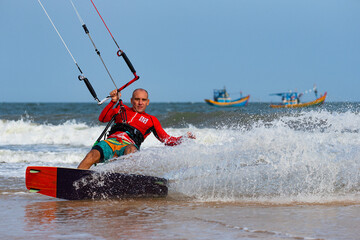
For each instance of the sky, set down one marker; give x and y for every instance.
(182, 50)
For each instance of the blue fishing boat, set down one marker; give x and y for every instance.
(292, 99)
(222, 99)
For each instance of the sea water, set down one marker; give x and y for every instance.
(251, 172)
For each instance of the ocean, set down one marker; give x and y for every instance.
(251, 173)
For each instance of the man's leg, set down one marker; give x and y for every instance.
(130, 149)
(91, 158)
(94, 155)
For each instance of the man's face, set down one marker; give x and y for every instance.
(140, 101)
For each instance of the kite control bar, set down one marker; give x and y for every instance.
(81, 77)
(119, 53)
(126, 59)
(119, 90)
(88, 85)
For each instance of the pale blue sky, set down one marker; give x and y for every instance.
(182, 50)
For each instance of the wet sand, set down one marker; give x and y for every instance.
(33, 216)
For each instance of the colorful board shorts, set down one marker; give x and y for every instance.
(110, 148)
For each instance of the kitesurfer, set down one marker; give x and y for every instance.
(129, 131)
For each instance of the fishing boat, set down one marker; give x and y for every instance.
(292, 100)
(222, 99)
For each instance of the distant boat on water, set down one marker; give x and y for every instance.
(222, 99)
(292, 100)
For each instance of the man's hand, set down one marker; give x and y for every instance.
(115, 95)
(190, 135)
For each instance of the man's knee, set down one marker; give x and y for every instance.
(91, 158)
(94, 155)
(130, 149)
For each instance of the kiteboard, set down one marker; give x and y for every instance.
(78, 184)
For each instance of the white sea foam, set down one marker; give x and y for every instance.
(26, 132)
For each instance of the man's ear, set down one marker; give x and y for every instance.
(148, 101)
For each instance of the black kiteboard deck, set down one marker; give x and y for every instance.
(77, 184)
